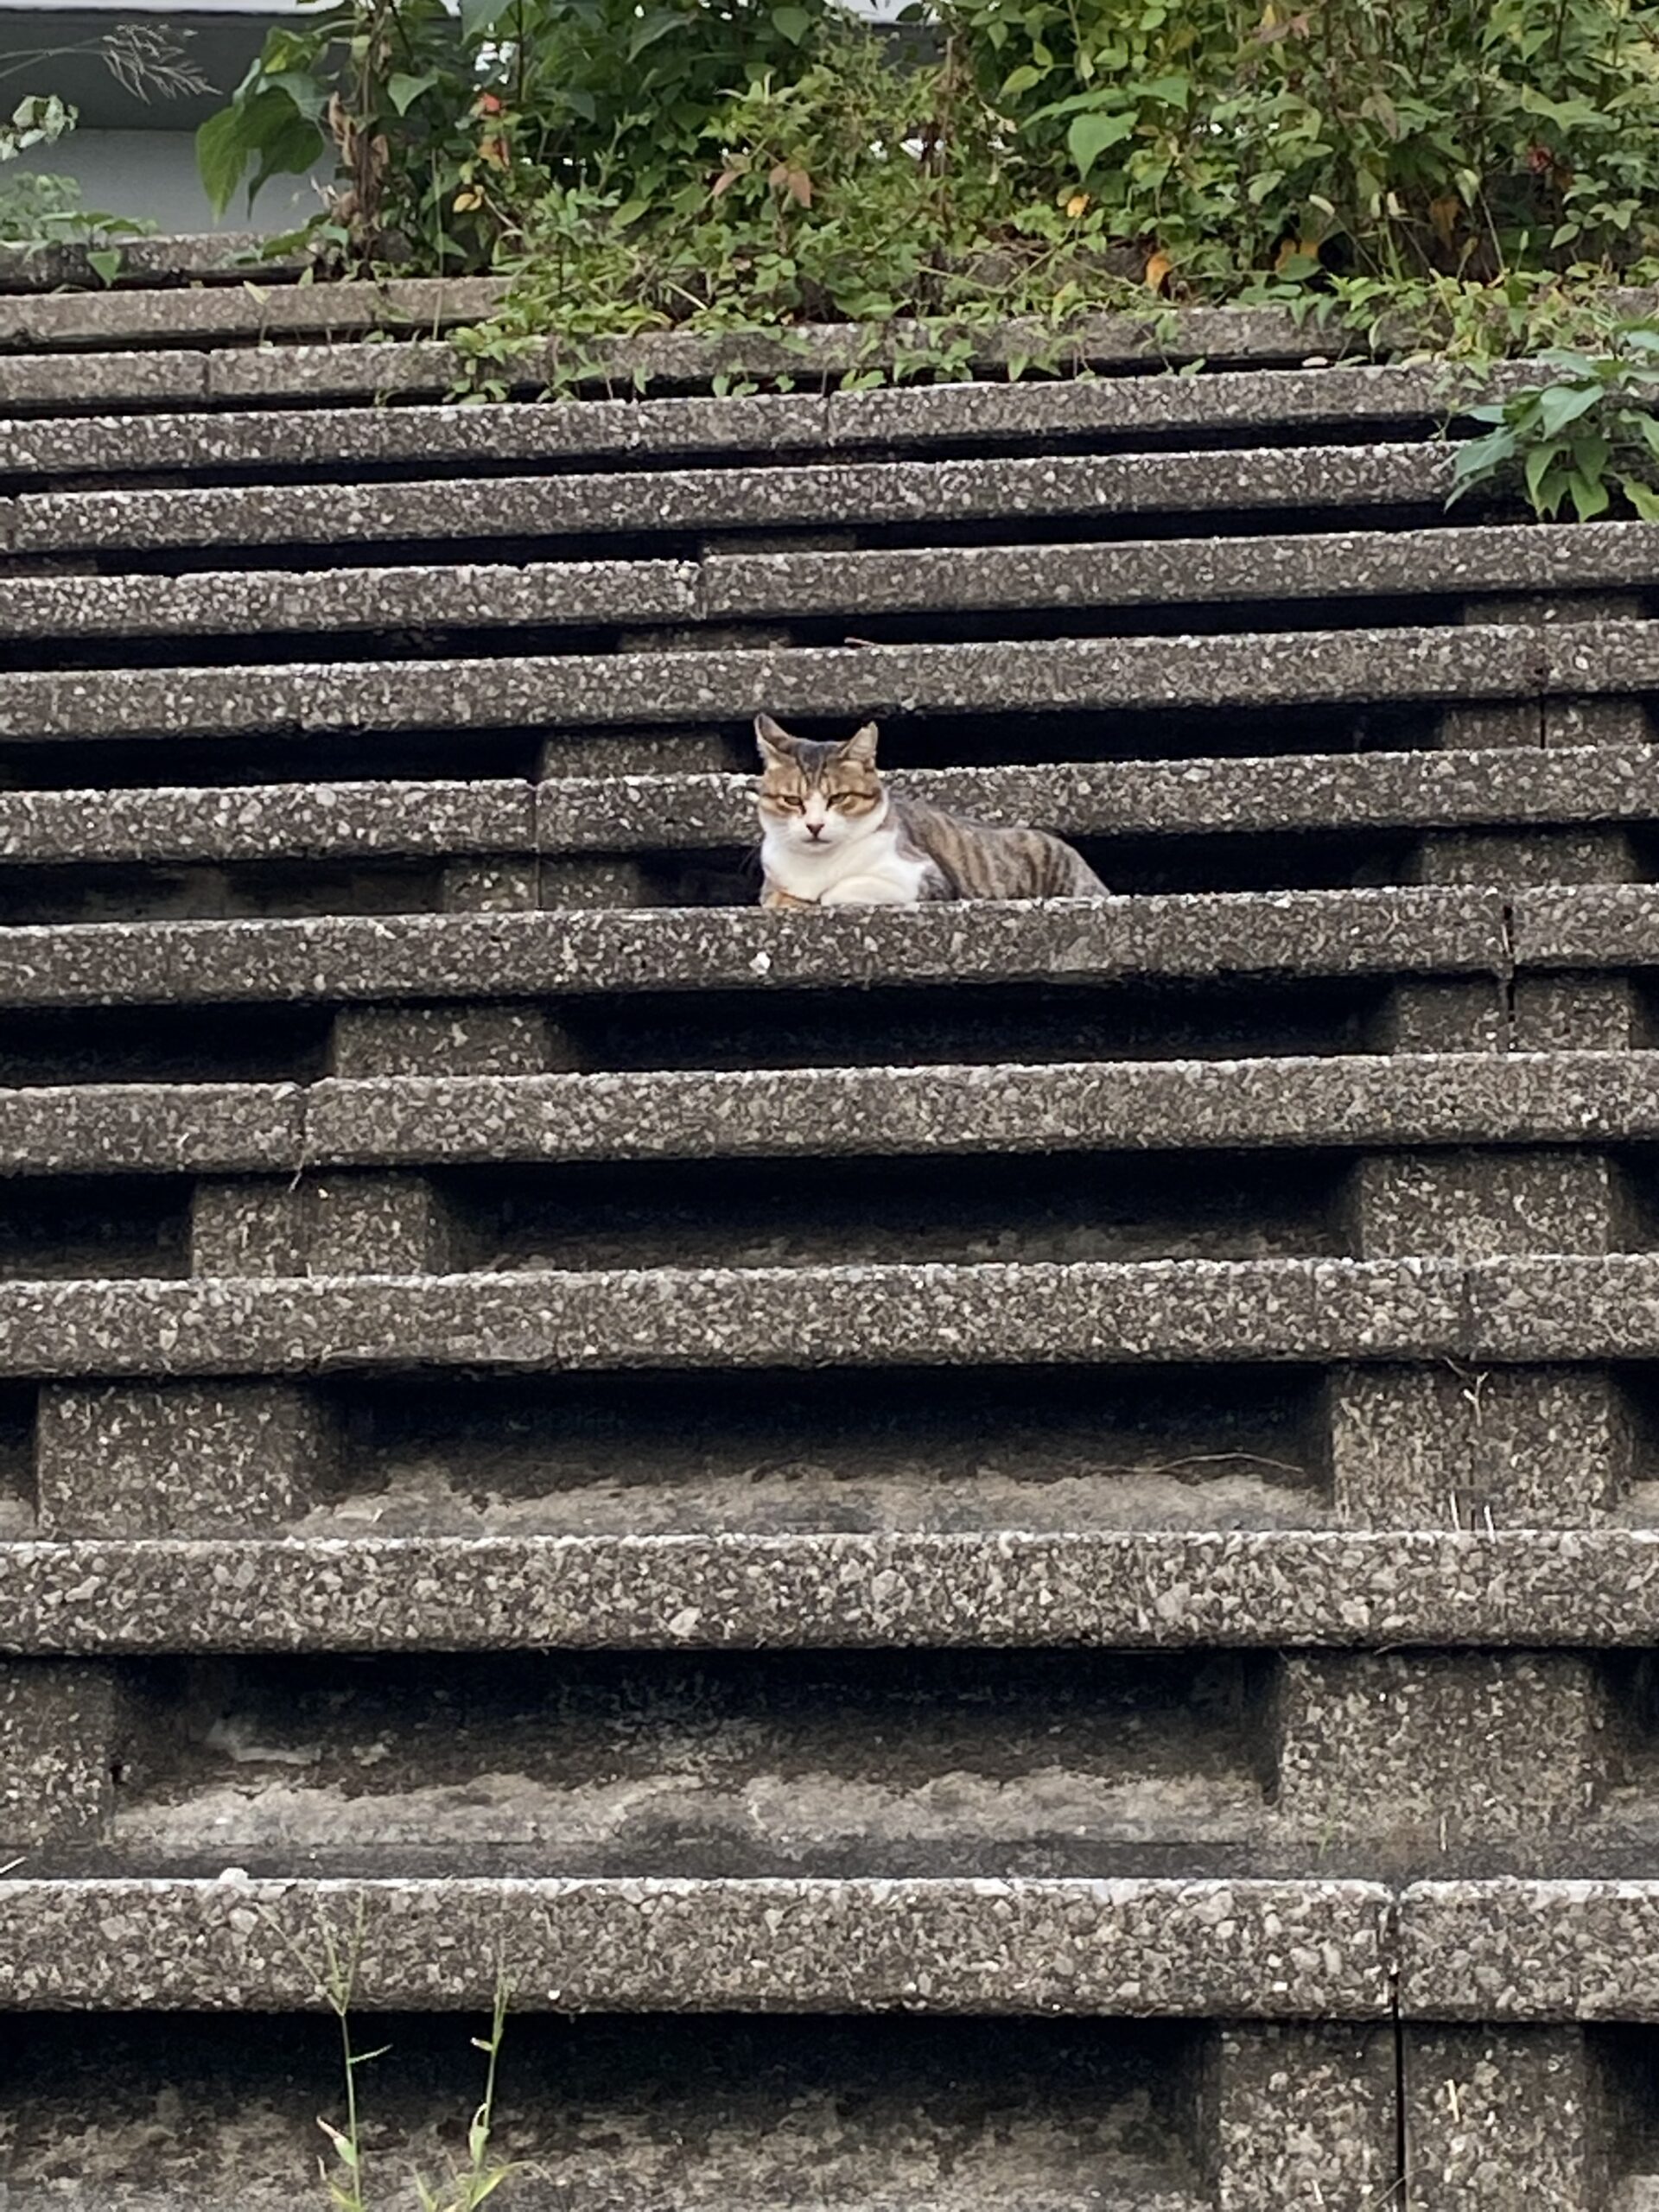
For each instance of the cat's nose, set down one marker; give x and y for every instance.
(815, 829)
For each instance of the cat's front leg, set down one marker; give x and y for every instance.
(772, 896)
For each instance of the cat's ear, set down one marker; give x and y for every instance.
(773, 740)
(860, 747)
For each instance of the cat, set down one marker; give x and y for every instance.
(834, 836)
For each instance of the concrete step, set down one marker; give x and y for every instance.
(1199, 338)
(1248, 1950)
(924, 418)
(1462, 932)
(1121, 1590)
(250, 310)
(1397, 1100)
(842, 495)
(1547, 1307)
(660, 689)
(208, 256)
(796, 588)
(57, 382)
(1481, 788)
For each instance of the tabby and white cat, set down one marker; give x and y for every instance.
(834, 836)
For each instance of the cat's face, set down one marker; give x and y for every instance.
(818, 796)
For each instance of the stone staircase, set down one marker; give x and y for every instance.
(1004, 1558)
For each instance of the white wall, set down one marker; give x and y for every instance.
(152, 174)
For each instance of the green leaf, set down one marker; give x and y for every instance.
(1591, 497)
(792, 23)
(1563, 403)
(1641, 497)
(1173, 92)
(310, 97)
(402, 91)
(344, 2150)
(487, 2184)
(105, 261)
(1021, 80)
(1540, 462)
(1090, 134)
(1480, 459)
(223, 154)
(268, 130)
(649, 29)
(478, 17)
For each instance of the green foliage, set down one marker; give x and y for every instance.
(445, 128)
(38, 211)
(1590, 432)
(1454, 170)
(1386, 135)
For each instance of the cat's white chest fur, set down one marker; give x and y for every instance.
(871, 870)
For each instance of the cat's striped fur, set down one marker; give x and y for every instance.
(833, 834)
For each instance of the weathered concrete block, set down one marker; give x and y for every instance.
(1597, 721)
(178, 1458)
(1299, 2116)
(57, 1727)
(1513, 723)
(1446, 1447)
(490, 886)
(601, 882)
(1480, 1206)
(1423, 1752)
(1548, 721)
(461, 1040)
(1573, 1013)
(378, 1224)
(340, 1223)
(1465, 1015)
(1503, 2120)
(249, 1226)
(642, 752)
(1516, 859)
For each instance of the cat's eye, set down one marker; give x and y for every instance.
(844, 798)
(790, 800)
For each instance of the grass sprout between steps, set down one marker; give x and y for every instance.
(345, 2177)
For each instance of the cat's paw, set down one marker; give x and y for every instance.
(770, 897)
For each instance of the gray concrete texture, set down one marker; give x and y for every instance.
(417, 1089)
(671, 811)
(1385, 1552)
(1145, 1590)
(697, 684)
(1545, 1309)
(1256, 1949)
(922, 417)
(61, 382)
(520, 956)
(837, 493)
(727, 586)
